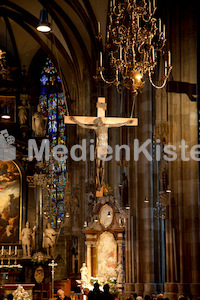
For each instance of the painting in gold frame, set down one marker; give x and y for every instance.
(10, 202)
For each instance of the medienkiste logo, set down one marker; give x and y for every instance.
(81, 152)
(7, 151)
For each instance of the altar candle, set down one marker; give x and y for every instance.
(9, 251)
(16, 250)
(2, 249)
(154, 4)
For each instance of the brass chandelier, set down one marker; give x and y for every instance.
(134, 44)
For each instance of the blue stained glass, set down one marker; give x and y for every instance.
(44, 79)
(53, 105)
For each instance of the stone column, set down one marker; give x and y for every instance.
(89, 265)
(94, 260)
(39, 219)
(182, 231)
(144, 211)
(120, 247)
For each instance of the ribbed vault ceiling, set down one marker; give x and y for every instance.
(71, 42)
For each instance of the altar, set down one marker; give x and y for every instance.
(105, 241)
(11, 287)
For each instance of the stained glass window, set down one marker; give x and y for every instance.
(53, 106)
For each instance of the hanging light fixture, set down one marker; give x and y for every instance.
(146, 200)
(134, 44)
(6, 114)
(168, 190)
(44, 25)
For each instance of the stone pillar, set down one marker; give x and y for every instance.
(94, 260)
(182, 230)
(89, 265)
(39, 219)
(120, 247)
(144, 211)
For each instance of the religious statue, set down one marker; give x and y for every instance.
(23, 115)
(39, 122)
(101, 131)
(84, 274)
(49, 239)
(120, 273)
(26, 235)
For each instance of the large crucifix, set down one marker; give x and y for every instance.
(100, 124)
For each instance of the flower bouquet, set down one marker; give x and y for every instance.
(112, 282)
(21, 294)
(93, 280)
(39, 258)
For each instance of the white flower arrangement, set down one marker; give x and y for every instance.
(112, 282)
(93, 280)
(18, 266)
(21, 294)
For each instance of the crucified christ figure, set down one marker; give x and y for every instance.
(101, 131)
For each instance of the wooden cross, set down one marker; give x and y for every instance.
(101, 109)
(53, 264)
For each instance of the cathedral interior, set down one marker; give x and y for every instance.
(119, 73)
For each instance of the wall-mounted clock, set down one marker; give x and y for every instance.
(106, 215)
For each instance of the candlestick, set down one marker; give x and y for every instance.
(16, 250)
(108, 36)
(159, 25)
(99, 27)
(117, 74)
(149, 7)
(138, 21)
(153, 54)
(9, 251)
(165, 68)
(110, 5)
(169, 58)
(164, 31)
(120, 52)
(2, 249)
(101, 59)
